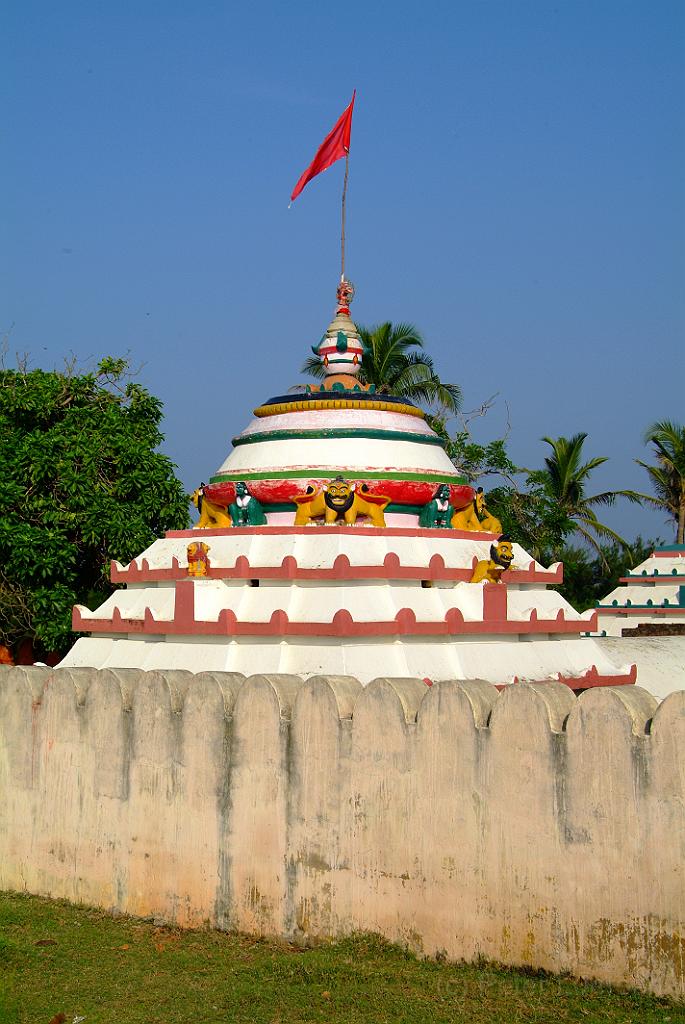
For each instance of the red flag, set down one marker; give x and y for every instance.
(335, 146)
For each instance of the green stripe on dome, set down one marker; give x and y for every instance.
(429, 476)
(330, 433)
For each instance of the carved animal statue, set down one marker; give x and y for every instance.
(246, 510)
(198, 561)
(476, 517)
(437, 513)
(212, 516)
(491, 569)
(340, 501)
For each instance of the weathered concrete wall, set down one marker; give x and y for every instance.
(529, 826)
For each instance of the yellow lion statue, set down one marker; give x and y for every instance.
(491, 570)
(340, 501)
(198, 559)
(212, 516)
(476, 517)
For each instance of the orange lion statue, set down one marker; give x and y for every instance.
(340, 501)
(491, 570)
(476, 517)
(198, 560)
(212, 516)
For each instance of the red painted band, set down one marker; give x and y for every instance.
(184, 623)
(391, 569)
(359, 531)
(643, 610)
(284, 489)
(659, 578)
(593, 678)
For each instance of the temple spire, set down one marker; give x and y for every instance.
(341, 349)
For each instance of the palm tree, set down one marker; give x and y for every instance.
(668, 476)
(391, 363)
(564, 480)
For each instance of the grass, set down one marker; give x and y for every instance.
(59, 959)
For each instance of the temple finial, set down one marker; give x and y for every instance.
(341, 349)
(345, 294)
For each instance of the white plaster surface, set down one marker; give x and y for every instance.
(312, 601)
(133, 601)
(661, 565)
(318, 550)
(613, 625)
(325, 419)
(663, 577)
(354, 454)
(528, 827)
(497, 659)
(651, 590)
(660, 660)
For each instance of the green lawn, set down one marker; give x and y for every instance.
(58, 959)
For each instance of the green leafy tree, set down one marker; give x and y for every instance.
(668, 476)
(579, 576)
(550, 505)
(527, 511)
(564, 482)
(588, 579)
(396, 362)
(531, 516)
(474, 460)
(82, 483)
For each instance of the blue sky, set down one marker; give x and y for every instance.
(517, 190)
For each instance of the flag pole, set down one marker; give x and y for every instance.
(342, 232)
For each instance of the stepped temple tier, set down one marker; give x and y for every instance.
(650, 600)
(339, 538)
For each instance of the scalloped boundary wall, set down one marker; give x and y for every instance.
(530, 826)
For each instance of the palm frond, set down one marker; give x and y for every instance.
(313, 367)
(669, 486)
(604, 498)
(668, 434)
(420, 359)
(601, 529)
(609, 497)
(592, 542)
(650, 499)
(392, 363)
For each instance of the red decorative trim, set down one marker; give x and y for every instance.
(667, 554)
(658, 578)
(592, 678)
(642, 610)
(391, 569)
(495, 603)
(342, 625)
(416, 533)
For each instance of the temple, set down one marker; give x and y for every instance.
(339, 538)
(649, 598)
